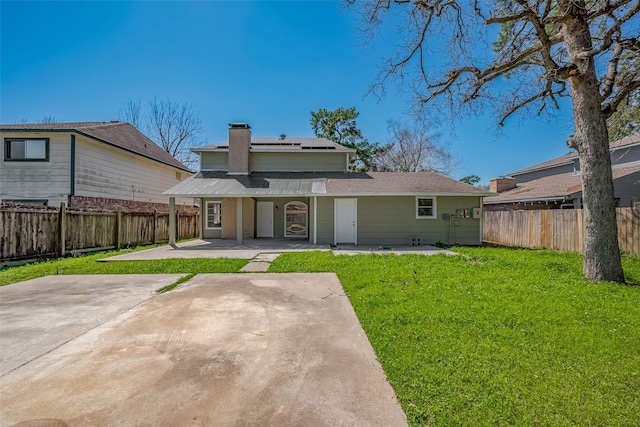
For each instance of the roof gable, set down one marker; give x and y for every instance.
(118, 134)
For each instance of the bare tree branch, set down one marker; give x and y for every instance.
(612, 106)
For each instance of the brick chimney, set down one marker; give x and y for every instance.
(498, 185)
(239, 145)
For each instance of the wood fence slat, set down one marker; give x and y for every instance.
(33, 233)
(556, 229)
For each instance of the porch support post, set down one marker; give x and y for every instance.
(201, 218)
(172, 220)
(315, 220)
(239, 220)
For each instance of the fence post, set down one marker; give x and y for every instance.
(63, 229)
(118, 226)
(155, 225)
(177, 224)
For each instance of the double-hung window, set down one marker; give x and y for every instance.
(214, 214)
(426, 207)
(26, 149)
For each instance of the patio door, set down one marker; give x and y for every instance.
(264, 219)
(345, 221)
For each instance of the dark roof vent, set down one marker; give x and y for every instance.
(282, 136)
(239, 126)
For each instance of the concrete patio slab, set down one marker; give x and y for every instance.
(39, 315)
(219, 248)
(250, 249)
(221, 349)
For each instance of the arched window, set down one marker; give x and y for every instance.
(295, 219)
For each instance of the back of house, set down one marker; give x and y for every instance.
(301, 188)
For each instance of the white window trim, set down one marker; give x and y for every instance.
(306, 230)
(435, 207)
(206, 217)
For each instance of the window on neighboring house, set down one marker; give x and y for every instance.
(26, 149)
(426, 207)
(214, 214)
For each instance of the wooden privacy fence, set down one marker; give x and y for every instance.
(33, 233)
(554, 229)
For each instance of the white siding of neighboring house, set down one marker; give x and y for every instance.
(109, 172)
(38, 180)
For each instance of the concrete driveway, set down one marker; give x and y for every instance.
(220, 350)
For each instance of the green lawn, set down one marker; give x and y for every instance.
(86, 264)
(494, 337)
(497, 337)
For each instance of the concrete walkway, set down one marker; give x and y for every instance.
(221, 349)
(264, 249)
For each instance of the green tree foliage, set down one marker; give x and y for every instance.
(340, 127)
(470, 179)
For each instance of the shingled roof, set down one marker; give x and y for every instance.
(322, 184)
(553, 187)
(118, 134)
(570, 157)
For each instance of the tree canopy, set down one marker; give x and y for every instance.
(340, 127)
(470, 179)
(515, 55)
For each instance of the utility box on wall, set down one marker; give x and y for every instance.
(477, 213)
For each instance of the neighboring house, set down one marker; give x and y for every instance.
(557, 183)
(300, 188)
(100, 165)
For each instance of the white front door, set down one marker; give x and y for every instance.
(345, 220)
(264, 223)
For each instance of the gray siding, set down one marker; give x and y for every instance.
(628, 189)
(525, 177)
(214, 161)
(104, 171)
(625, 155)
(392, 221)
(38, 180)
(298, 162)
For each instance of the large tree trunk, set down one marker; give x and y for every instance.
(600, 250)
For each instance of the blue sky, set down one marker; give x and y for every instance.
(266, 63)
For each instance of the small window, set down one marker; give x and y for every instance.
(26, 149)
(426, 207)
(214, 214)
